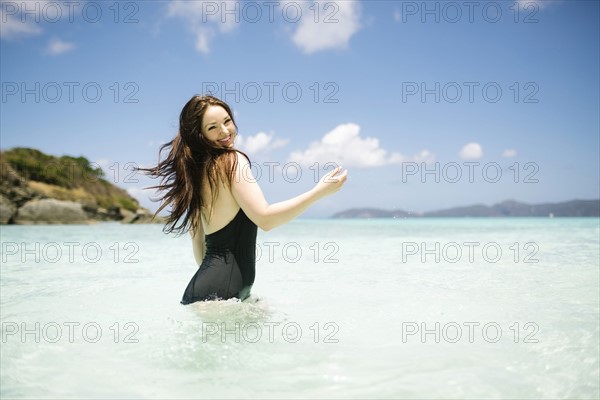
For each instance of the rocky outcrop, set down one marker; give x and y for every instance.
(7, 210)
(105, 214)
(14, 188)
(13, 193)
(28, 197)
(50, 211)
(141, 216)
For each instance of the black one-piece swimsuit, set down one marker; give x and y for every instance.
(228, 268)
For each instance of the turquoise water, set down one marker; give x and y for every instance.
(419, 308)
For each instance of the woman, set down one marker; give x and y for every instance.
(212, 191)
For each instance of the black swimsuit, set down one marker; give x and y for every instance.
(227, 269)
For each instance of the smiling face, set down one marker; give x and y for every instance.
(218, 127)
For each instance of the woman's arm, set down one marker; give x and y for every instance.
(198, 243)
(267, 216)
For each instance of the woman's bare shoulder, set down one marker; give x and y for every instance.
(234, 156)
(235, 161)
(238, 155)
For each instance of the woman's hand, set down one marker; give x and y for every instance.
(331, 182)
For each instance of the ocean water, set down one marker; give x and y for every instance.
(400, 308)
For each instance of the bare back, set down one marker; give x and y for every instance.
(225, 208)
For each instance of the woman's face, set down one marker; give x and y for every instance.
(218, 127)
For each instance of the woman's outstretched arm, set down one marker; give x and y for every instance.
(249, 196)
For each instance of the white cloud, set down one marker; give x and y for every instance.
(11, 26)
(509, 153)
(205, 11)
(202, 16)
(22, 19)
(424, 156)
(343, 145)
(203, 36)
(471, 151)
(259, 143)
(56, 47)
(337, 22)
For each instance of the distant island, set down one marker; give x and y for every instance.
(38, 188)
(509, 208)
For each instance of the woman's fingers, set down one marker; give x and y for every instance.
(335, 177)
(343, 176)
(331, 174)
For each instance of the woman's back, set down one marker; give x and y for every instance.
(216, 216)
(228, 267)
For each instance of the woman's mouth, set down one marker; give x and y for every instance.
(226, 140)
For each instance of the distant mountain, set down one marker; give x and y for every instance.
(371, 213)
(509, 208)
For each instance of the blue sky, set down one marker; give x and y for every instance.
(504, 91)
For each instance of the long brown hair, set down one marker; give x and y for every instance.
(192, 159)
